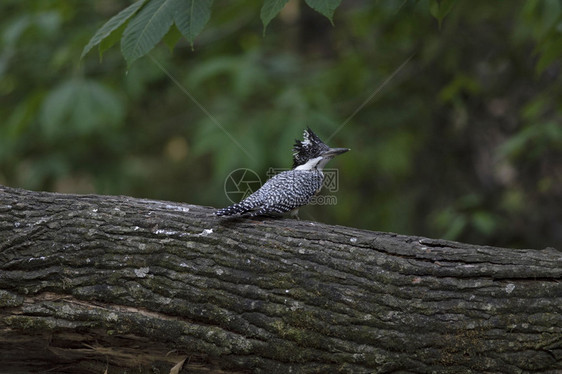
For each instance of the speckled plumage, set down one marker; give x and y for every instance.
(282, 193)
(289, 190)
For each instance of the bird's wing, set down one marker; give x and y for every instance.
(283, 192)
(288, 190)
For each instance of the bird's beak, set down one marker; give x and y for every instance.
(335, 151)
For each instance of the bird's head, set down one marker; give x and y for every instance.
(313, 153)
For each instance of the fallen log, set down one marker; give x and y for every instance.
(97, 284)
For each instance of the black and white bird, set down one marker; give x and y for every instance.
(291, 189)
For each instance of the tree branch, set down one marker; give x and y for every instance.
(93, 283)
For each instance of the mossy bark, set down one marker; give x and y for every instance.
(95, 283)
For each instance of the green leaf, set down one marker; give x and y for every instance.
(79, 107)
(485, 222)
(324, 7)
(191, 16)
(110, 40)
(20, 118)
(440, 8)
(13, 30)
(213, 68)
(518, 143)
(113, 24)
(147, 28)
(269, 10)
(172, 37)
(550, 51)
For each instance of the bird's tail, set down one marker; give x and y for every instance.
(239, 208)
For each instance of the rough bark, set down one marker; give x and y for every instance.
(95, 283)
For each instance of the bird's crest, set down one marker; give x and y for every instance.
(310, 147)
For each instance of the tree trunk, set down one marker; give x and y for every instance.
(101, 283)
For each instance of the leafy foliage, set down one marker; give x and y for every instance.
(148, 28)
(79, 107)
(153, 22)
(111, 30)
(440, 8)
(193, 18)
(464, 142)
(270, 10)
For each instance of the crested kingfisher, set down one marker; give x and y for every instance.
(291, 189)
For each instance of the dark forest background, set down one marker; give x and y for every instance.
(462, 137)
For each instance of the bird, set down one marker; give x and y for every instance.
(287, 191)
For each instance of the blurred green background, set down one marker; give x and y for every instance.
(464, 142)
